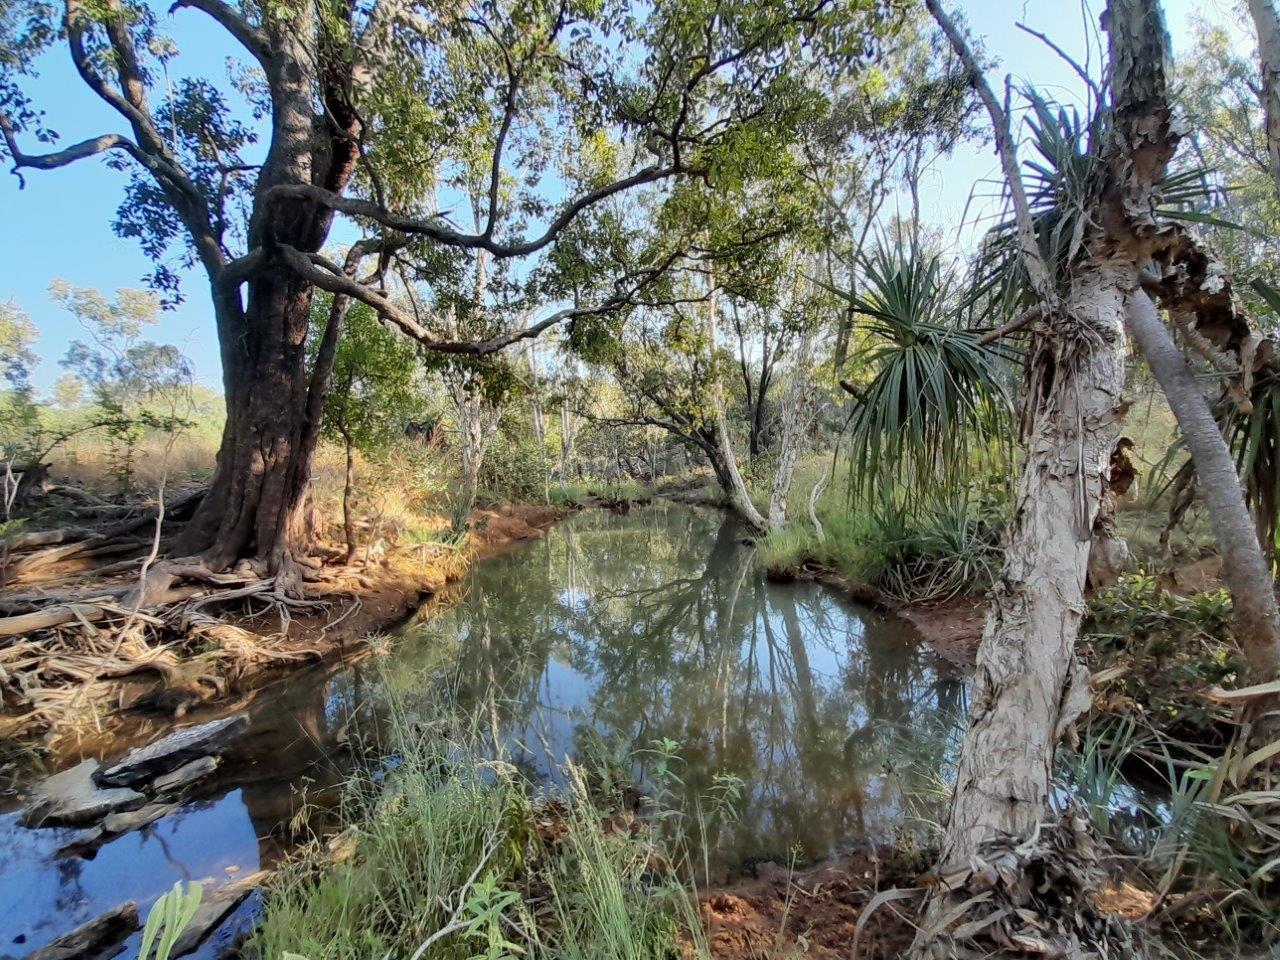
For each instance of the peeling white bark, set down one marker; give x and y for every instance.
(1028, 684)
(1267, 23)
(799, 408)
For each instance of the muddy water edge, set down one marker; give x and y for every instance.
(615, 632)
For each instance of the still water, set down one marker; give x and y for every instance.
(613, 634)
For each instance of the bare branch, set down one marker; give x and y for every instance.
(1006, 147)
(1013, 326)
(60, 158)
(1081, 72)
(437, 230)
(249, 36)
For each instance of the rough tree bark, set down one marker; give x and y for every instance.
(257, 491)
(1029, 687)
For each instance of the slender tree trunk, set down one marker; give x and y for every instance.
(348, 490)
(1244, 568)
(737, 487)
(1267, 23)
(477, 421)
(738, 491)
(799, 407)
(566, 446)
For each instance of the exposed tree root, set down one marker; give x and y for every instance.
(1035, 898)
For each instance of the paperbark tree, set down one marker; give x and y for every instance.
(1267, 25)
(1028, 688)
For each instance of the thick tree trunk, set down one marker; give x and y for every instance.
(1029, 688)
(1244, 568)
(1021, 701)
(260, 483)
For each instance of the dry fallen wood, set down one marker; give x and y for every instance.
(50, 617)
(46, 538)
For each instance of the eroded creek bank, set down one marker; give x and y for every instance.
(614, 632)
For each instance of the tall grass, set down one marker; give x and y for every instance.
(451, 853)
(908, 547)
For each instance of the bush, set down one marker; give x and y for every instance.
(516, 468)
(928, 553)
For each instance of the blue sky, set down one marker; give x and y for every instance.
(60, 224)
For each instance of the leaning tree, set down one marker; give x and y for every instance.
(358, 108)
(1089, 249)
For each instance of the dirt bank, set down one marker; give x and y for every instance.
(818, 912)
(223, 639)
(813, 912)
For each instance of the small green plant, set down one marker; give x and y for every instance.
(484, 909)
(169, 916)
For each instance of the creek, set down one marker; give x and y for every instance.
(622, 636)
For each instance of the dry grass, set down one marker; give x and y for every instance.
(88, 461)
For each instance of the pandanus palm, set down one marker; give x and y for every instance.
(930, 394)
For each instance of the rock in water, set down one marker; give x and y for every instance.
(116, 823)
(176, 750)
(186, 774)
(72, 798)
(99, 939)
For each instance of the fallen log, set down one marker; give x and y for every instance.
(50, 617)
(46, 538)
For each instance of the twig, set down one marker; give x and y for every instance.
(1013, 326)
(456, 923)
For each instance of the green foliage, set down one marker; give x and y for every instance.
(931, 395)
(516, 468)
(943, 545)
(169, 916)
(376, 386)
(458, 854)
(132, 385)
(1175, 648)
(18, 411)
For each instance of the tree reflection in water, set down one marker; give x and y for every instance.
(657, 625)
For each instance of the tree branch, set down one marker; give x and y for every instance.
(67, 155)
(436, 230)
(329, 276)
(1037, 271)
(248, 36)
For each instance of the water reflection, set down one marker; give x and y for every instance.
(616, 630)
(656, 625)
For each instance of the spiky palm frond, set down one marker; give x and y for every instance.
(1063, 174)
(933, 393)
